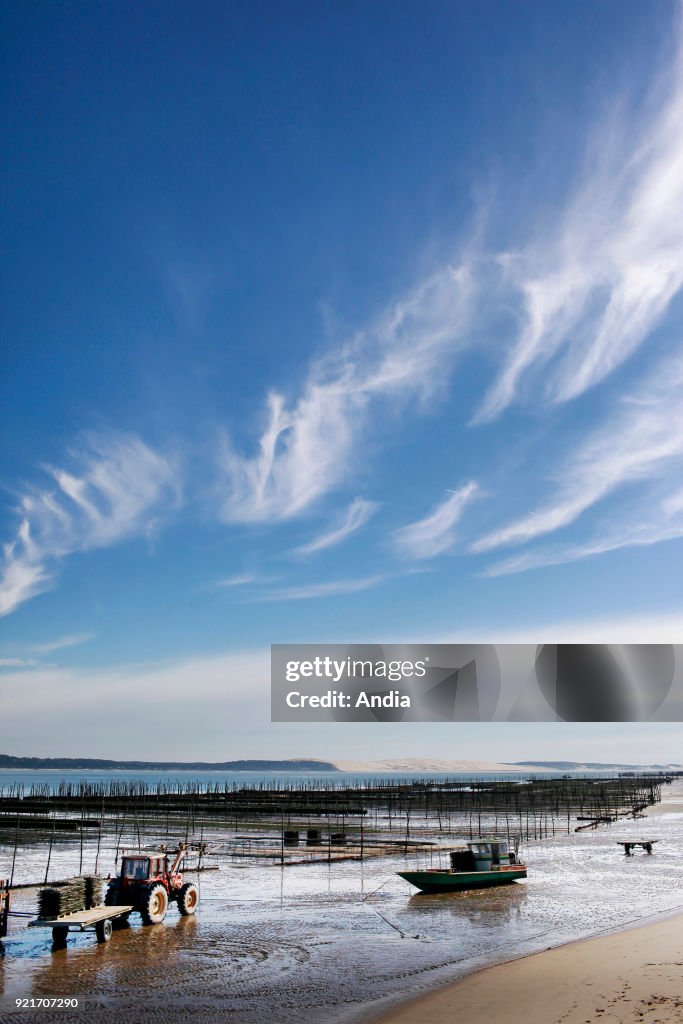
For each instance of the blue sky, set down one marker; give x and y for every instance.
(333, 322)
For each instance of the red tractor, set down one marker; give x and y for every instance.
(148, 882)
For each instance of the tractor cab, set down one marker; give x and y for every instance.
(141, 869)
(147, 868)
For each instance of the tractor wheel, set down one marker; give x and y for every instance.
(103, 930)
(154, 904)
(111, 897)
(188, 899)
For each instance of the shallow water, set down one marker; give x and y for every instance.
(325, 942)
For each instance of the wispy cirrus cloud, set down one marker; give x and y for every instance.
(62, 642)
(114, 490)
(593, 292)
(658, 522)
(641, 443)
(436, 533)
(353, 518)
(674, 503)
(242, 579)
(330, 588)
(22, 656)
(21, 578)
(307, 444)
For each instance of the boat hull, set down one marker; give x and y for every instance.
(459, 881)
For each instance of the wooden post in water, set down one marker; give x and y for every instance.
(49, 851)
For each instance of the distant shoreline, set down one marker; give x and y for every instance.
(397, 766)
(10, 763)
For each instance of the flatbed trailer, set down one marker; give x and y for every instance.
(98, 919)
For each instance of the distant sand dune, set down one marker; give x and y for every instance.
(426, 764)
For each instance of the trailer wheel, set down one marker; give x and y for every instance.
(59, 938)
(188, 899)
(121, 921)
(154, 904)
(103, 930)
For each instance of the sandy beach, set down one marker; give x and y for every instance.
(633, 976)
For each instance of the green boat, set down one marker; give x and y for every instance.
(479, 865)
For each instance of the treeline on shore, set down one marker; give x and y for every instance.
(103, 764)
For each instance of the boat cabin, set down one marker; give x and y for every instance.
(483, 855)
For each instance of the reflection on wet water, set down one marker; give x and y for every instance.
(316, 942)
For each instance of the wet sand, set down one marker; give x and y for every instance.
(633, 976)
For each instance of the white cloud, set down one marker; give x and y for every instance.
(86, 712)
(641, 442)
(436, 533)
(307, 445)
(331, 588)
(112, 493)
(20, 579)
(354, 518)
(673, 504)
(655, 523)
(72, 640)
(597, 285)
(242, 579)
(661, 628)
(223, 674)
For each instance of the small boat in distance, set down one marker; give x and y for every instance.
(482, 863)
